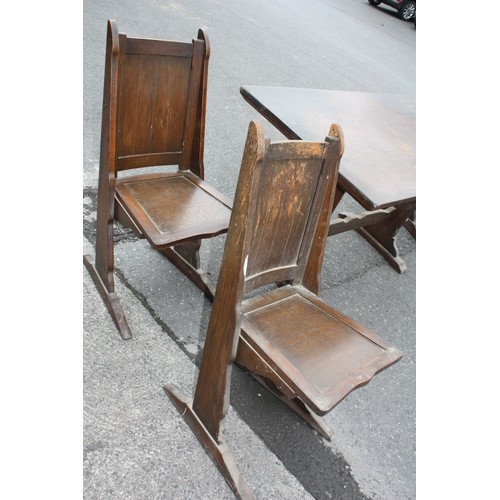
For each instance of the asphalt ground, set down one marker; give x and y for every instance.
(136, 445)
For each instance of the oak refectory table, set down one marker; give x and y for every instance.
(378, 166)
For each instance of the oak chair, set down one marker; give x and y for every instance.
(309, 354)
(154, 115)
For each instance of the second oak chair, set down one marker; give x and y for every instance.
(305, 351)
(154, 115)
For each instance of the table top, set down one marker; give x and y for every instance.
(378, 166)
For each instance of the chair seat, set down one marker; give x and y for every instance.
(170, 208)
(318, 352)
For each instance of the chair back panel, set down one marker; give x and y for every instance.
(157, 95)
(288, 190)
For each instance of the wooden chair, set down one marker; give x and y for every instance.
(306, 352)
(154, 115)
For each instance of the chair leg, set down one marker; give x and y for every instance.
(110, 299)
(299, 407)
(102, 269)
(219, 452)
(186, 257)
(250, 361)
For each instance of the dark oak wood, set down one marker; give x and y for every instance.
(153, 114)
(319, 352)
(307, 353)
(218, 450)
(348, 221)
(378, 167)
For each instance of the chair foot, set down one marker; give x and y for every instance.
(316, 422)
(197, 276)
(299, 407)
(250, 362)
(219, 452)
(110, 299)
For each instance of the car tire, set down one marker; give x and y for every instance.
(374, 2)
(407, 10)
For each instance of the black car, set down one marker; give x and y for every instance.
(406, 8)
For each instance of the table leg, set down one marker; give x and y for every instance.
(411, 225)
(382, 236)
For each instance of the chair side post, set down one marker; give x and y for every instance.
(101, 269)
(211, 397)
(314, 263)
(205, 413)
(195, 88)
(107, 170)
(197, 165)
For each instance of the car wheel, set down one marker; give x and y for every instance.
(374, 2)
(407, 11)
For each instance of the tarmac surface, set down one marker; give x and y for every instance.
(136, 446)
